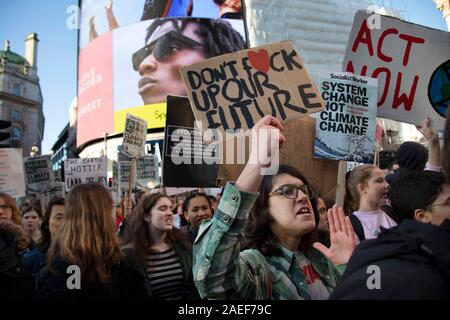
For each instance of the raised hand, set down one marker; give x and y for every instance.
(425, 129)
(342, 237)
(273, 139)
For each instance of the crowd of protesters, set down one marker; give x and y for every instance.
(262, 237)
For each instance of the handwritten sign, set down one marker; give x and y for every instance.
(187, 160)
(38, 174)
(411, 63)
(147, 170)
(134, 136)
(85, 170)
(12, 180)
(235, 90)
(346, 129)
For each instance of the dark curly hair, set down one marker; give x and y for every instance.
(258, 234)
(218, 35)
(44, 242)
(137, 233)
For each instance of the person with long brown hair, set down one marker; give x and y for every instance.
(8, 209)
(35, 259)
(31, 220)
(159, 251)
(87, 240)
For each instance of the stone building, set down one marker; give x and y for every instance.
(21, 97)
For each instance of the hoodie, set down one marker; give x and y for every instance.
(410, 261)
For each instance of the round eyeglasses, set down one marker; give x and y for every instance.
(290, 191)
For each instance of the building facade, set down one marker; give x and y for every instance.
(21, 97)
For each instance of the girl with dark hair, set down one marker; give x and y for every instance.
(31, 220)
(196, 208)
(365, 196)
(279, 258)
(159, 251)
(36, 259)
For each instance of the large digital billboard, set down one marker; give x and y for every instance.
(130, 52)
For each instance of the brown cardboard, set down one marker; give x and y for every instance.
(297, 152)
(287, 93)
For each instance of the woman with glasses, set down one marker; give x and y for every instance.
(278, 258)
(365, 196)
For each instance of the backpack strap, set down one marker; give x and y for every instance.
(357, 227)
(390, 212)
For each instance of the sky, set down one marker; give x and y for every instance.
(57, 50)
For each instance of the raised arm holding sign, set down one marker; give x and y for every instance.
(234, 91)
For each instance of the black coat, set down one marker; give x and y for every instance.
(15, 281)
(125, 285)
(413, 259)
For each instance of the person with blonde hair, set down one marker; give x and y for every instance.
(365, 196)
(87, 240)
(8, 209)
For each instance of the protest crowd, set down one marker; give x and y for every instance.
(263, 235)
(269, 237)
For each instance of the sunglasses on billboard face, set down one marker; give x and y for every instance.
(162, 47)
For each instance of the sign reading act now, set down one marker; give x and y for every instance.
(235, 90)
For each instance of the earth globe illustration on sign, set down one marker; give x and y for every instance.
(439, 89)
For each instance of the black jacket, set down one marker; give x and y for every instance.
(413, 260)
(15, 281)
(189, 290)
(125, 285)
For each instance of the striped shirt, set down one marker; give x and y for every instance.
(165, 275)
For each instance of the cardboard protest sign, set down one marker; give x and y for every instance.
(12, 180)
(85, 170)
(346, 129)
(298, 152)
(147, 170)
(134, 136)
(188, 161)
(233, 91)
(38, 174)
(57, 191)
(411, 63)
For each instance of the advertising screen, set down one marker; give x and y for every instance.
(131, 52)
